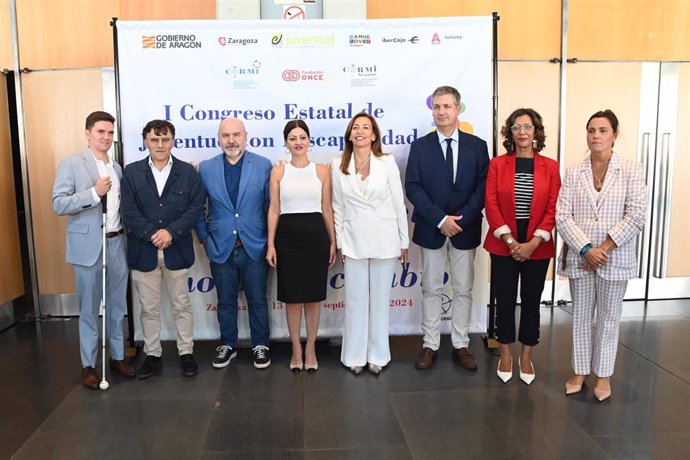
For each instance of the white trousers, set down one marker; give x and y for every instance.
(593, 294)
(367, 309)
(148, 286)
(461, 264)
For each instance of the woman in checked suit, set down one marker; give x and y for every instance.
(600, 211)
(371, 233)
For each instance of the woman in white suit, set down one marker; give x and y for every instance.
(371, 233)
(600, 210)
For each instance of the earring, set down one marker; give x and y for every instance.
(534, 143)
(287, 151)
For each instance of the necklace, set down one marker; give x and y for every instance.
(357, 170)
(599, 180)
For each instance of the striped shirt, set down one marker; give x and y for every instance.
(524, 186)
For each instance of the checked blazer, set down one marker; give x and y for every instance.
(619, 211)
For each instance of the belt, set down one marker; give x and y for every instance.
(114, 234)
(238, 242)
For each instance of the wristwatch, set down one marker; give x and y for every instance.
(510, 241)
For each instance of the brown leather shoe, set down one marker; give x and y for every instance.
(89, 378)
(464, 356)
(123, 368)
(425, 358)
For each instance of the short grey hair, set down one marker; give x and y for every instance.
(443, 90)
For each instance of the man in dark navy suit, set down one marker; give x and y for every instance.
(444, 181)
(161, 201)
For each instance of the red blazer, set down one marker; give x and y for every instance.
(500, 202)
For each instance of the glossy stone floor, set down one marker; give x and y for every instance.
(443, 413)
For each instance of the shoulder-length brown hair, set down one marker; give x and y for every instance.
(539, 134)
(347, 150)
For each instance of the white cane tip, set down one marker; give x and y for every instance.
(104, 385)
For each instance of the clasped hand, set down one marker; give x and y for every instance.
(595, 258)
(450, 227)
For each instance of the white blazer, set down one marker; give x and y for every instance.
(373, 224)
(620, 213)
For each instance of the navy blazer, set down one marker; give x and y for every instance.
(433, 196)
(176, 210)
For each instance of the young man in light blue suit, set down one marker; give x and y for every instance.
(233, 231)
(82, 180)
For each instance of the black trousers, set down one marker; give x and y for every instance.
(531, 274)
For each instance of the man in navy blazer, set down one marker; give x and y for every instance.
(161, 203)
(445, 181)
(81, 182)
(233, 231)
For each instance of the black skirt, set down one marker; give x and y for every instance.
(302, 249)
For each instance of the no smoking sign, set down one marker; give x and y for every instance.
(294, 12)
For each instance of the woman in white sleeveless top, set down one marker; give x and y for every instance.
(301, 239)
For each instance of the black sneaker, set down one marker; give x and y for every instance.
(261, 358)
(150, 365)
(188, 365)
(224, 354)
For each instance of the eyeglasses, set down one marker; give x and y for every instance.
(517, 128)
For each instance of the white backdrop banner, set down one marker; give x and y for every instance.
(195, 73)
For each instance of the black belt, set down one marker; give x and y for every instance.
(114, 234)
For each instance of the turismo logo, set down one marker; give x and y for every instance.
(435, 39)
(302, 41)
(291, 75)
(360, 40)
(170, 41)
(234, 41)
(399, 40)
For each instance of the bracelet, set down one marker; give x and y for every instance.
(585, 249)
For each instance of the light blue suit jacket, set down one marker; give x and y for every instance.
(72, 197)
(223, 221)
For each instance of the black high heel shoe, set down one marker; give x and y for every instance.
(296, 368)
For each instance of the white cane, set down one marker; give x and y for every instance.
(104, 202)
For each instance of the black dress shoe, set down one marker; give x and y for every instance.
(188, 365)
(150, 365)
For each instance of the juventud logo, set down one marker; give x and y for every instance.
(277, 40)
(291, 75)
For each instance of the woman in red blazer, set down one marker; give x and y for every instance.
(521, 191)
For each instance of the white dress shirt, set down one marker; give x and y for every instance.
(161, 177)
(112, 214)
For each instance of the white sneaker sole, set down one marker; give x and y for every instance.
(262, 366)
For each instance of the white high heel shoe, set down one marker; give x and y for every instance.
(504, 376)
(527, 378)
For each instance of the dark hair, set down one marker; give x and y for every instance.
(294, 124)
(347, 150)
(609, 115)
(159, 127)
(97, 116)
(443, 90)
(539, 134)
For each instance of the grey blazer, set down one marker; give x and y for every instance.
(72, 197)
(619, 212)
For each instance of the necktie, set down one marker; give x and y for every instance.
(449, 160)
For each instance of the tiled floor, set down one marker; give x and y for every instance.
(443, 413)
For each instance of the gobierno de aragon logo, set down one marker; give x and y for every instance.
(170, 41)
